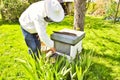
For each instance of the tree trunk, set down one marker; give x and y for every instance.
(79, 14)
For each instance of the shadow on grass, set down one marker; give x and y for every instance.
(67, 21)
(113, 58)
(97, 23)
(63, 23)
(97, 71)
(8, 22)
(111, 40)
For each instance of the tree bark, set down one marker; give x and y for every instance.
(79, 14)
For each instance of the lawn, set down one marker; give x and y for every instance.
(102, 37)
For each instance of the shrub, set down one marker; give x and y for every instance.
(12, 9)
(106, 8)
(110, 9)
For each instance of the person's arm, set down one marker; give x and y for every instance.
(40, 28)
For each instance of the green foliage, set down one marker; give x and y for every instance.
(12, 9)
(111, 9)
(96, 8)
(43, 69)
(102, 36)
(91, 8)
(106, 8)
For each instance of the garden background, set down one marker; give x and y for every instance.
(100, 58)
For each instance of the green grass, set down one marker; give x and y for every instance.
(101, 36)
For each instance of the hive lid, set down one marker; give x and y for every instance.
(68, 36)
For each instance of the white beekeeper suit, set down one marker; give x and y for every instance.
(33, 19)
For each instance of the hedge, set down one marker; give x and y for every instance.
(12, 9)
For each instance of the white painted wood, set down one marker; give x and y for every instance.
(68, 45)
(75, 49)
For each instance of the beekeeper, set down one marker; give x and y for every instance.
(34, 20)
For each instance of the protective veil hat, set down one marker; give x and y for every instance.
(54, 10)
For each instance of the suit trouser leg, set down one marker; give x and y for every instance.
(32, 42)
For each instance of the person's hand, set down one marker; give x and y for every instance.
(52, 49)
(42, 43)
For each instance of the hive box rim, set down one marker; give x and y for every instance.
(65, 38)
